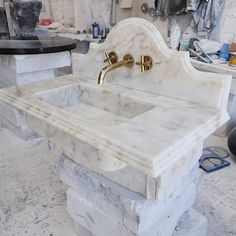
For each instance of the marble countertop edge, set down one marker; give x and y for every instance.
(132, 157)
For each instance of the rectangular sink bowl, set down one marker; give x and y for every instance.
(108, 127)
(94, 104)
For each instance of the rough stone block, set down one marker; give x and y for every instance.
(94, 220)
(161, 187)
(191, 224)
(156, 188)
(151, 218)
(24, 69)
(126, 207)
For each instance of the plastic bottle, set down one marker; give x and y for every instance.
(175, 37)
(184, 46)
(95, 27)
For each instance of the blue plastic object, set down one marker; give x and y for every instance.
(213, 159)
(210, 164)
(225, 52)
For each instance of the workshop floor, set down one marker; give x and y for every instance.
(32, 199)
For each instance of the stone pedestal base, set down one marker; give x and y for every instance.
(23, 69)
(104, 207)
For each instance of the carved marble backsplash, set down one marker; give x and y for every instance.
(172, 74)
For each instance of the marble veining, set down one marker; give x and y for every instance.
(147, 121)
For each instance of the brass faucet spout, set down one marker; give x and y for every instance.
(128, 61)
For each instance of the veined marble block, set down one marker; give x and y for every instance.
(148, 187)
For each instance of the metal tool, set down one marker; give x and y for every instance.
(200, 50)
(144, 8)
(196, 51)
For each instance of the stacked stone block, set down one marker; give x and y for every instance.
(128, 202)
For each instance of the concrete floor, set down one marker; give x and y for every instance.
(32, 199)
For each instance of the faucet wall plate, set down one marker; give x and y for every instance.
(146, 63)
(130, 60)
(111, 58)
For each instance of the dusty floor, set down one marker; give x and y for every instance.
(217, 196)
(32, 199)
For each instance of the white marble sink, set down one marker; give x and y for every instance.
(148, 121)
(99, 106)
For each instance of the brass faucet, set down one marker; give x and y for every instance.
(128, 61)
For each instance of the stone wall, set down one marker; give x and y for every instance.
(228, 22)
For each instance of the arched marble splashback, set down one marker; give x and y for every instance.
(172, 74)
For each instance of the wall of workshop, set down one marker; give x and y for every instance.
(80, 13)
(162, 23)
(226, 31)
(228, 22)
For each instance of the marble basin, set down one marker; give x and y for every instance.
(99, 106)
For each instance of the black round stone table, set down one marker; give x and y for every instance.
(32, 59)
(35, 45)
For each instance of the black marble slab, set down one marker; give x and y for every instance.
(36, 45)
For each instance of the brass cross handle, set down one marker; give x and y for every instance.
(145, 63)
(111, 58)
